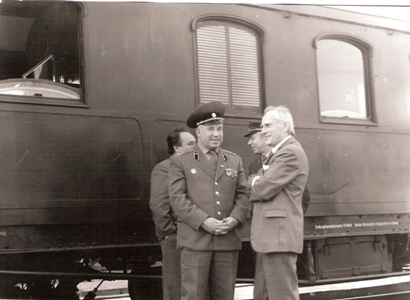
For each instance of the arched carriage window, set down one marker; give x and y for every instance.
(344, 72)
(229, 62)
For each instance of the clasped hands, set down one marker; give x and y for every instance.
(219, 227)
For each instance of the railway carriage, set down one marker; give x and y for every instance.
(89, 90)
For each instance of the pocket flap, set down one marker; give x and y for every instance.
(275, 213)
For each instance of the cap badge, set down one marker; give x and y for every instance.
(213, 115)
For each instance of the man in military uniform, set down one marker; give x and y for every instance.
(259, 147)
(208, 193)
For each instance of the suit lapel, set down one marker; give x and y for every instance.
(287, 142)
(269, 160)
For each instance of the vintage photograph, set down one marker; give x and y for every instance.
(204, 150)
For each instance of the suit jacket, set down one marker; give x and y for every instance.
(255, 166)
(277, 222)
(196, 192)
(164, 217)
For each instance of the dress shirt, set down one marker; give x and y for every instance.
(274, 149)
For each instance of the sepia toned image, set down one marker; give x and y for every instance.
(204, 150)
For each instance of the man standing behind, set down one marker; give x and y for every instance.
(259, 147)
(276, 194)
(179, 140)
(207, 190)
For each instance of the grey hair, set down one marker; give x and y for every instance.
(282, 115)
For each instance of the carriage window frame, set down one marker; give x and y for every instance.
(31, 86)
(227, 21)
(366, 51)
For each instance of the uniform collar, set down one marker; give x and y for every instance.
(204, 151)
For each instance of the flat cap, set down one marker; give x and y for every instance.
(208, 113)
(253, 127)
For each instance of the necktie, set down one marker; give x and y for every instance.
(212, 159)
(264, 159)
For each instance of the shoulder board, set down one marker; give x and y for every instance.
(230, 153)
(177, 155)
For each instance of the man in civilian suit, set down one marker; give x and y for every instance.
(165, 219)
(208, 193)
(276, 194)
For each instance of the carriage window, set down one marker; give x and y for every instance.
(229, 64)
(40, 52)
(344, 85)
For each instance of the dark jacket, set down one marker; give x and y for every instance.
(164, 217)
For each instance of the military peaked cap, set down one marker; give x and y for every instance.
(253, 127)
(208, 113)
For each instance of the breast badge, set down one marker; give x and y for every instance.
(233, 173)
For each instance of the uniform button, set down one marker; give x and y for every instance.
(217, 202)
(219, 213)
(217, 192)
(216, 183)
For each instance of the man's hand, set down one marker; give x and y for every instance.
(217, 227)
(227, 225)
(211, 225)
(255, 180)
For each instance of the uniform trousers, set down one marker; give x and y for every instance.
(171, 268)
(213, 271)
(280, 274)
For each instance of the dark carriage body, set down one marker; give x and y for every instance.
(79, 141)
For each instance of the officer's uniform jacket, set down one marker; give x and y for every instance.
(196, 192)
(277, 222)
(255, 166)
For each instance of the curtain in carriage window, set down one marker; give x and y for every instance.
(229, 64)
